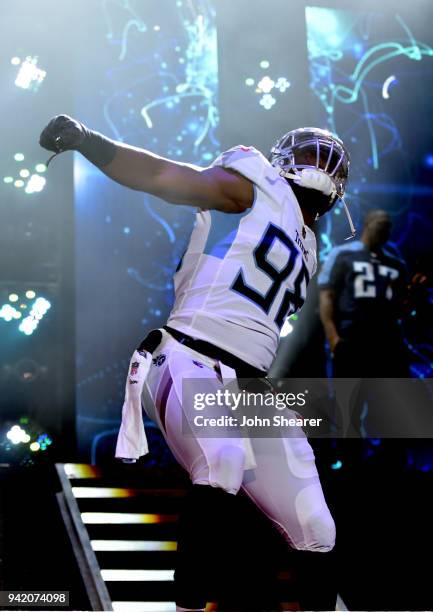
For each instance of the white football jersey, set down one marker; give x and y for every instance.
(243, 274)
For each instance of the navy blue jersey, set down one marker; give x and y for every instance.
(368, 288)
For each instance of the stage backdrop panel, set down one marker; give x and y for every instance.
(160, 75)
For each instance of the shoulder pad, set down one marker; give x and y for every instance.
(248, 161)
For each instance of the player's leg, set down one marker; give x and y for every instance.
(205, 519)
(213, 460)
(205, 545)
(286, 487)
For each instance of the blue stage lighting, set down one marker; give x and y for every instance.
(267, 101)
(35, 184)
(429, 160)
(24, 308)
(20, 441)
(9, 313)
(29, 75)
(17, 434)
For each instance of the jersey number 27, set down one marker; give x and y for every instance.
(365, 281)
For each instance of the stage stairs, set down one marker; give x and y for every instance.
(122, 524)
(124, 535)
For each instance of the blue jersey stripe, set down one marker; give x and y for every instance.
(223, 230)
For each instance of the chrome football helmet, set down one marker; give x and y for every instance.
(315, 159)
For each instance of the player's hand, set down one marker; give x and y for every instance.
(333, 342)
(62, 134)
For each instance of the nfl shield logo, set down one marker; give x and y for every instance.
(134, 368)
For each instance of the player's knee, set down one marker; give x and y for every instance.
(314, 520)
(226, 470)
(319, 531)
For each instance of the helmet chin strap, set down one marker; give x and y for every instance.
(349, 218)
(313, 178)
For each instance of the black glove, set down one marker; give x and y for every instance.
(63, 134)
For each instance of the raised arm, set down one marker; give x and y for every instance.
(207, 188)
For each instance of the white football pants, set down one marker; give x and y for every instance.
(280, 474)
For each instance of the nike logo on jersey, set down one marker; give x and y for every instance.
(301, 245)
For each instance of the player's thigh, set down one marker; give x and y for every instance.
(286, 487)
(209, 459)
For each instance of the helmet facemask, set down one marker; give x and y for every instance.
(315, 159)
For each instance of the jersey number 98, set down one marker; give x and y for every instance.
(291, 300)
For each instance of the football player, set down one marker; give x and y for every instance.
(250, 257)
(362, 288)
